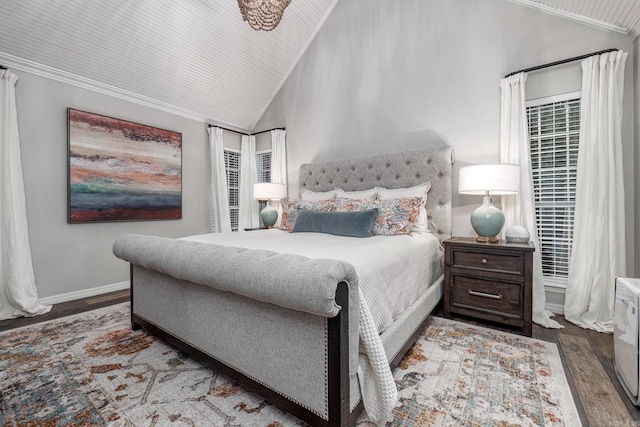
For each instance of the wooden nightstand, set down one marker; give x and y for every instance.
(489, 281)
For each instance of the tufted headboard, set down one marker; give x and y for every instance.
(394, 170)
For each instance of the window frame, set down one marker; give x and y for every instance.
(233, 208)
(550, 281)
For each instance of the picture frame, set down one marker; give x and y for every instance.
(119, 170)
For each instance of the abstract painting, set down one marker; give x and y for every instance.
(122, 171)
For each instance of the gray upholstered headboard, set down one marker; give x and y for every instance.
(394, 170)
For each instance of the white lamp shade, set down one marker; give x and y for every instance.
(498, 178)
(268, 191)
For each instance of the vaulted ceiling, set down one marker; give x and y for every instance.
(197, 58)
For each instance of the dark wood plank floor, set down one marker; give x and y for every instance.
(69, 308)
(587, 357)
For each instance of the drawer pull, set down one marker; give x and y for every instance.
(484, 260)
(482, 294)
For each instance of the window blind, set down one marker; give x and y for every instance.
(232, 166)
(554, 130)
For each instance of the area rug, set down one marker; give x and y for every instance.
(92, 370)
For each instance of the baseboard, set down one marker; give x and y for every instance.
(85, 293)
(555, 308)
(556, 293)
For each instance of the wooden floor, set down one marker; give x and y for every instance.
(587, 357)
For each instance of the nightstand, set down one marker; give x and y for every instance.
(489, 281)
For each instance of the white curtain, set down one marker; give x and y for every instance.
(519, 209)
(279, 164)
(18, 292)
(598, 251)
(279, 157)
(220, 217)
(248, 206)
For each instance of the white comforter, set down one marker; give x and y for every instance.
(392, 272)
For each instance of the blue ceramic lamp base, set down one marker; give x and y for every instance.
(269, 215)
(487, 221)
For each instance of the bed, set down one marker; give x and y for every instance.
(321, 342)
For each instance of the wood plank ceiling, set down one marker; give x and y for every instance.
(197, 58)
(615, 15)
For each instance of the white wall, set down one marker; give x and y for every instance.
(71, 259)
(385, 76)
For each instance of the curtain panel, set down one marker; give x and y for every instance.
(18, 292)
(598, 253)
(219, 194)
(279, 165)
(248, 208)
(519, 208)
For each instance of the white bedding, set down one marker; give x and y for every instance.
(393, 271)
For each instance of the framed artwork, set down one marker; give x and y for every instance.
(122, 171)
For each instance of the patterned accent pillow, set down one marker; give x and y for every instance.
(290, 210)
(395, 216)
(420, 190)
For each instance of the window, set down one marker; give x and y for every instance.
(554, 128)
(232, 166)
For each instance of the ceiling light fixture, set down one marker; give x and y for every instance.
(263, 14)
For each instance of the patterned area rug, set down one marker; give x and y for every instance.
(92, 370)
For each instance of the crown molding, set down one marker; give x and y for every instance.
(574, 17)
(31, 67)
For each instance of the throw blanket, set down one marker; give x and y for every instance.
(379, 392)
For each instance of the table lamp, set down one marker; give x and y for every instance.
(488, 180)
(268, 191)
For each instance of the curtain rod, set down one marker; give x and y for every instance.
(564, 61)
(268, 130)
(242, 133)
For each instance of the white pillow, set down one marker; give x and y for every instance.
(313, 196)
(364, 194)
(420, 190)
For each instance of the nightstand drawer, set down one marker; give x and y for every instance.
(510, 263)
(488, 296)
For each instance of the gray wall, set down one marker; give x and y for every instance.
(75, 258)
(392, 75)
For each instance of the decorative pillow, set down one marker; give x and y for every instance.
(420, 190)
(395, 216)
(352, 224)
(364, 194)
(290, 210)
(315, 196)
